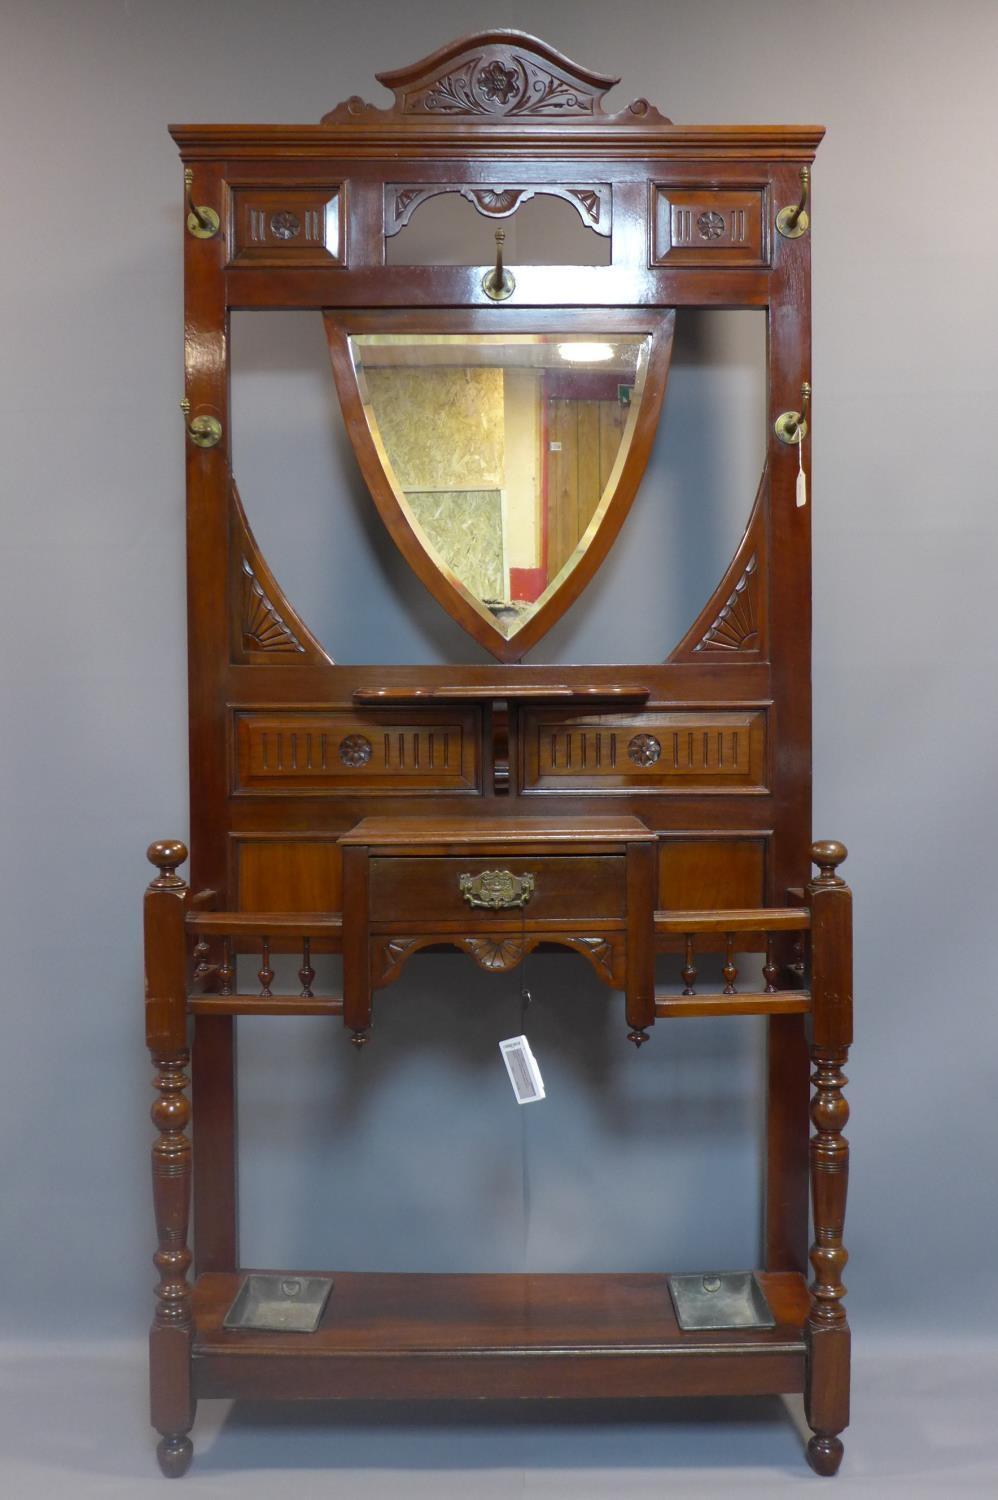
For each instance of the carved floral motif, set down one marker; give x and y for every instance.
(285, 225)
(497, 83)
(355, 750)
(710, 225)
(644, 749)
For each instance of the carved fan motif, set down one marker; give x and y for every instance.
(736, 627)
(263, 627)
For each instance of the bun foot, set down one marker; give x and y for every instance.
(824, 1454)
(638, 1037)
(175, 1453)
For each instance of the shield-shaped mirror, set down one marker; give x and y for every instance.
(502, 448)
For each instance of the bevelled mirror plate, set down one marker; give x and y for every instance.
(503, 457)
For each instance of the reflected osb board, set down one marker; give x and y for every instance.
(443, 429)
(464, 528)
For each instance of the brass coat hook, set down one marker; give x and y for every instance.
(791, 426)
(202, 221)
(204, 431)
(793, 220)
(498, 284)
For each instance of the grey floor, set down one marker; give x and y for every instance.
(73, 1423)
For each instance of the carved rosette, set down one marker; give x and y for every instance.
(355, 750)
(644, 749)
(285, 225)
(710, 226)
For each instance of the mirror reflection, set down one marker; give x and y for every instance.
(504, 450)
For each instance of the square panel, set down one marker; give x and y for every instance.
(708, 226)
(287, 226)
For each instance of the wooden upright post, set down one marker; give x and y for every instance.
(171, 1335)
(826, 1396)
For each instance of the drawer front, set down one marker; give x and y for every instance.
(420, 750)
(708, 226)
(431, 890)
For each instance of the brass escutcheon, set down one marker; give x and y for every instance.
(496, 889)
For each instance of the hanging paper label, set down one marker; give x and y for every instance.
(524, 1074)
(801, 476)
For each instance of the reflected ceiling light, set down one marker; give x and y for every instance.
(585, 354)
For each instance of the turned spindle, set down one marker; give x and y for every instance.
(306, 974)
(729, 971)
(770, 971)
(265, 973)
(202, 968)
(226, 969)
(689, 966)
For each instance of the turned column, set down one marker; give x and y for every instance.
(826, 1396)
(171, 1335)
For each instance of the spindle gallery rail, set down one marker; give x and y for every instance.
(267, 933)
(272, 932)
(739, 931)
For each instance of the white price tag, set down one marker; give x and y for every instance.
(524, 1074)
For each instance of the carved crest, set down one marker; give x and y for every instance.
(494, 77)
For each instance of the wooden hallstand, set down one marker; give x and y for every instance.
(615, 814)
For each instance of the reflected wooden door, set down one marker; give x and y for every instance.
(581, 440)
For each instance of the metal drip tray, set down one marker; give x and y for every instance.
(720, 1299)
(280, 1304)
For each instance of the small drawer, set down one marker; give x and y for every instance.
(432, 890)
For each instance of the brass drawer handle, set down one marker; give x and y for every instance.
(496, 888)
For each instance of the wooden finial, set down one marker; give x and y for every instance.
(827, 854)
(167, 854)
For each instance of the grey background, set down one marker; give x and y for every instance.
(417, 1156)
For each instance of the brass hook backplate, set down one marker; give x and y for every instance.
(204, 431)
(791, 426)
(501, 292)
(793, 220)
(202, 221)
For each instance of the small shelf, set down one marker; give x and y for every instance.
(478, 692)
(782, 1003)
(470, 1336)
